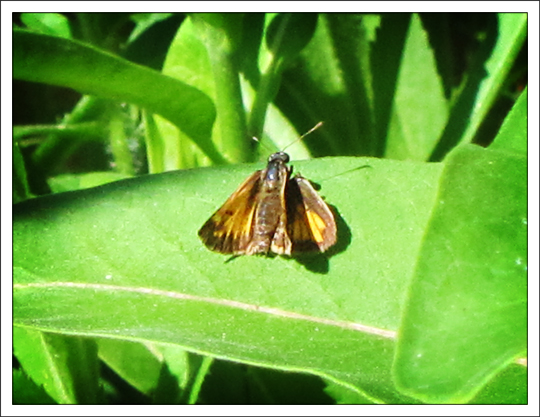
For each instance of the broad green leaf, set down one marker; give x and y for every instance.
(466, 316)
(123, 260)
(57, 61)
(65, 366)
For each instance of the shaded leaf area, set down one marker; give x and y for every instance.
(508, 387)
(232, 383)
(123, 260)
(466, 317)
(164, 373)
(360, 75)
(25, 391)
(52, 360)
(389, 84)
(504, 38)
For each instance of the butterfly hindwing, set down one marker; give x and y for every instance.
(310, 222)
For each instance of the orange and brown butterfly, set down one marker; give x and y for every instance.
(271, 212)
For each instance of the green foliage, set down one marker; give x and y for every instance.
(422, 300)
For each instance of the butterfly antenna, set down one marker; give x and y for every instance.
(304, 135)
(268, 148)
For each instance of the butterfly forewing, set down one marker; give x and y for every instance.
(229, 229)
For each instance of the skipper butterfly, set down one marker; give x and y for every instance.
(271, 212)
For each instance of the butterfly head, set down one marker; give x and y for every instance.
(276, 167)
(279, 157)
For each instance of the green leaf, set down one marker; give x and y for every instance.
(25, 391)
(220, 33)
(332, 83)
(63, 62)
(420, 110)
(54, 24)
(144, 21)
(386, 55)
(124, 260)
(65, 366)
(189, 60)
(21, 189)
(466, 316)
(513, 133)
(289, 33)
(344, 395)
(485, 81)
(167, 373)
(136, 363)
(71, 182)
(233, 383)
(286, 35)
(508, 387)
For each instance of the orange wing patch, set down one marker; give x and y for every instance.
(311, 223)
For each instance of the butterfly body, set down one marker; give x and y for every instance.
(271, 212)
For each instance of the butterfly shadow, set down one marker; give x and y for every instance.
(320, 262)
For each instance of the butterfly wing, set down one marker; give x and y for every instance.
(310, 223)
(229, 230)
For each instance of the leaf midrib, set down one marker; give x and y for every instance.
(223, 302)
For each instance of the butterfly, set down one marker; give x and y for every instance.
(271, 212)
